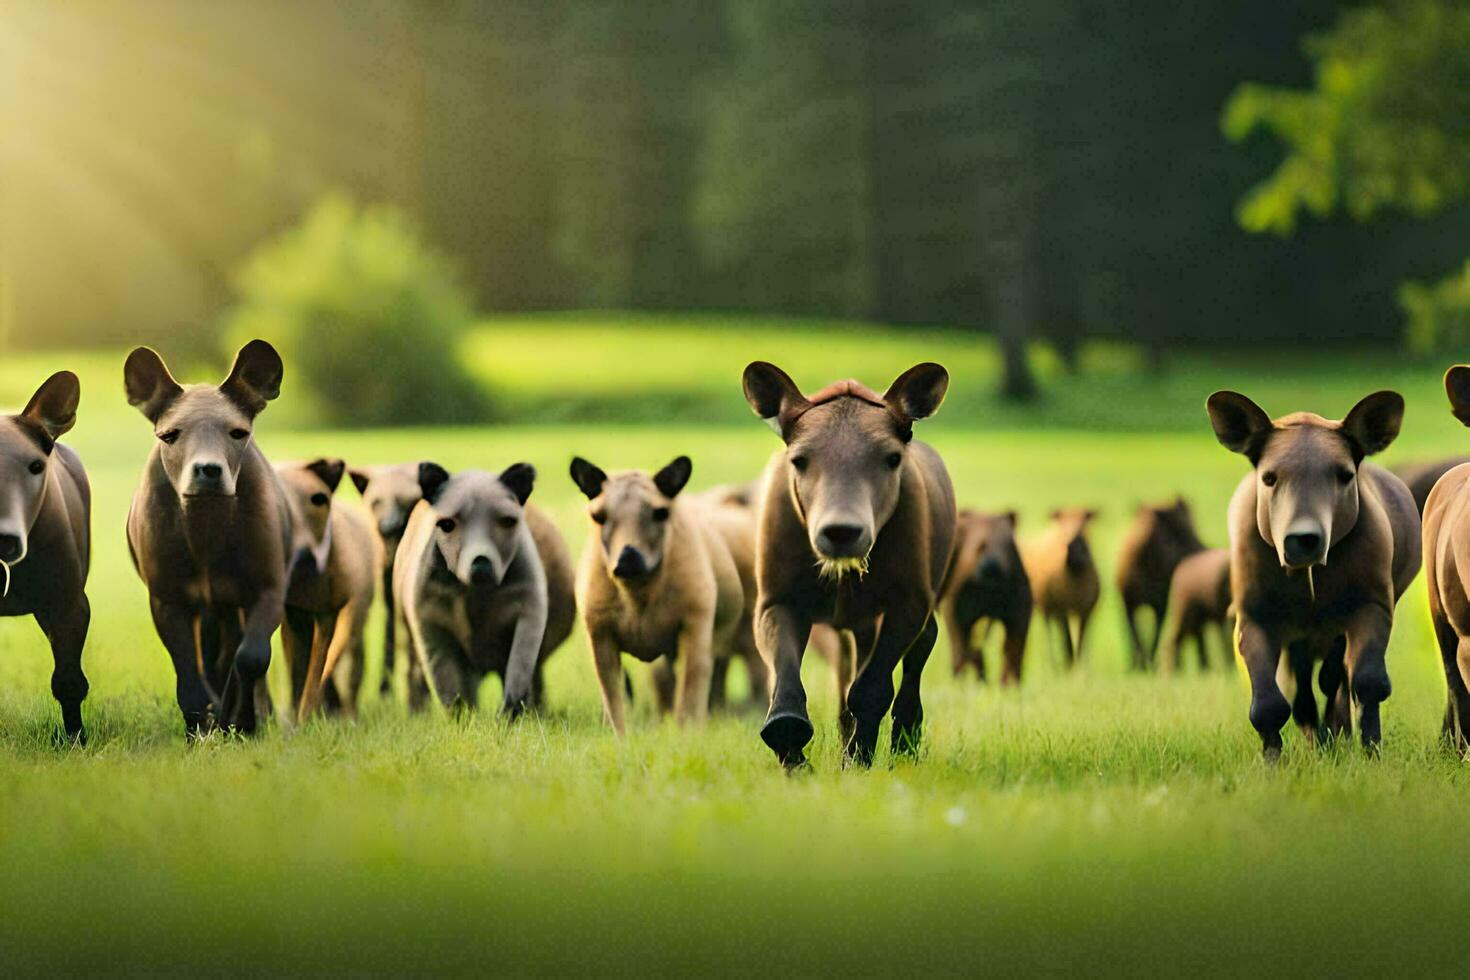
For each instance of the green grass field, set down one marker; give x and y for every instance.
(1099, 823)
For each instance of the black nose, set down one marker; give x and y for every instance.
(9, 547)
(989, 567)
(208, 471)
(1077, 555)
(390, 527)
(1303, 549)
(481, 570)
(631, 563)
(841, 535)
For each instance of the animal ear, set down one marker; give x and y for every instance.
(360, 479)
(54, 405)
(1374, 422)
(1457, 386)
(151, 389)
(432, 478)
(671, 479)
(1056, 514)
(1090, 514)
(588, 478)
(329, 470)
(1239, 423)
(256, 377)
(521, 478)
(1013, 517)
(917, 393)
(773, 395)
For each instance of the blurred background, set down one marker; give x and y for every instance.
(392, 177)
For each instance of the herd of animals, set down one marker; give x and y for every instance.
(850, 544)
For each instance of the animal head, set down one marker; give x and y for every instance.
(845, 452)
(633, 512)
(391, 493)
(1169, 525)
(310, 487)
(477, 518)
(988, 540)
(1306, 468)
(204, 431)
(1070, 524)
(26, 444)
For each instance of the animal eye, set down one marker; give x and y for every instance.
(170, 437)
(508, 521)
(37, 467)
(1345, 476)
(319, 499)
(446, 524)
(660, 513)
(800, 462)
(239, 433)
(1268, 478)
(599, 517)
(893, 460)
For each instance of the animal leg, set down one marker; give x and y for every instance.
(297, 631)
(908, 706)
(1069, 655)
(977, 651)
(665, 683)
(1269, 711)
(696, 661)
(1332, 682)
(1304, 701)
(960, 653)
(253, 658)
(1082, 622)
(781, 634)
(1462, 693)
(756, 670)
(67, 632)
(718, 677)
(1457, 696)
(175, 626)
(1013, 652)
(871, 693)
(390, 630)
(333, 636)
(1130, 612)
(1367, 640)
(1158, 633)
(845, 667)
(608, 661)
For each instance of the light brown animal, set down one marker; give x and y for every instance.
(987, 585)
(391, 493)
(210, 533)
(485, 583)
(856, 531)
(1199, 597)
(329, 591)
(656, 580)
(1447, 569)
(733, 514)
(46, 535)
(1158, 539)
(1064, 578)
(1322, 544)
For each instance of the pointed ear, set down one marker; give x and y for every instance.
(917, 393)
(432, 478)
(1374, 422)
(588, 478)
(256, 377)
(671, 479)
(521, 478)
(329, 470)
(1457, 386)
(1239, 423)
(360, 479)
(1089, 515)
(54, 405)
(151, 389)
(1013, 517)
(1056, 514)
(773, 395)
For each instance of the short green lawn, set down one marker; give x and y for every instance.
(1096, 822)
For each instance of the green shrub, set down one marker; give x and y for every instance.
(365, 313)
(1439, 314)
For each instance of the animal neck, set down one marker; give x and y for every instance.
(209, 525)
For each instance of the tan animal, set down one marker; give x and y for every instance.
(1322, 544)
(46, 535)
(1199, 597)
(657, 580)
(987, 585)
(1064, 578)
(329, 592)
(733, 515)
(210, 533)
(856, 531)
(391, 493)
(1447, 569)
(1158, 539)
(485, 583)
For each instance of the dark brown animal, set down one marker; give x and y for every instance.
(1322, 544)
(987, 585)
(46, 535)
(1160, 537)
(1447, 569)
(1199, 597)
(210, 533)
(1064, 579)
(1421, 477)
(856, 531)
(391, 493)
(329, 592)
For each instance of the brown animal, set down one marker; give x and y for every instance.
(329, 592)
(1064, 578)
(1447, 569)
(856, 531)
(485, 583)
(657, 580)
(391, 493)
(987, 585)
(1199, 596)
(1160, 537)
(210, 533)
(733, 515)
(1421, 477)
(46, 535)
(1322, 544)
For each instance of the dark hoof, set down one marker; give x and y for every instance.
(787, 734)
(1271, 753)
(385, 689)
(68, 738)
(906, 740)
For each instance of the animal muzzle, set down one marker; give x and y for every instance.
(1304, 544)
(990, 569)
(841, 539)
(209, 480)
(1078, 557)
(12, 547)
(391, 527)
(630, 564)
(482, 571)
(305, 563)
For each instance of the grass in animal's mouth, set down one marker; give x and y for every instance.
(837, 569)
